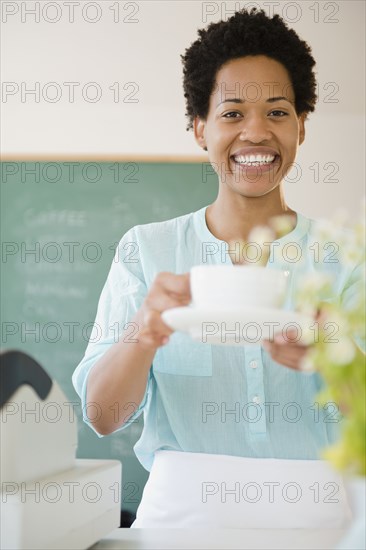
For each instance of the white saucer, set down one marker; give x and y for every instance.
(232, 327)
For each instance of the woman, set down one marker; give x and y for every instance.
(249, 86)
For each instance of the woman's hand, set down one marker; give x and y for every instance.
(287, 351)
(167, 291)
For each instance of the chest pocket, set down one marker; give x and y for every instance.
(184, 356)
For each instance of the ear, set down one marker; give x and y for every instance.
(199, 132)
(302, 119)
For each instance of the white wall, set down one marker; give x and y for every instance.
(146, 52)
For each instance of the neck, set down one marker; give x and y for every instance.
(230, 219)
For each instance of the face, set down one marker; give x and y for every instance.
(252, 131)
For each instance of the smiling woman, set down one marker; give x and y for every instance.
(249, 86)
(236, 129)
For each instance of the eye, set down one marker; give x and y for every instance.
(278, 113)
(231, 113)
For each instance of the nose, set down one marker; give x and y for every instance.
(255, 128)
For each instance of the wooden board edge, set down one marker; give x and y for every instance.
(187, 159)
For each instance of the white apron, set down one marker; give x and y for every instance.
(199, 490)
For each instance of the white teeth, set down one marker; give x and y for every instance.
(256, 160)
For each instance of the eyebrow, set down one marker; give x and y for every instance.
(269, 100)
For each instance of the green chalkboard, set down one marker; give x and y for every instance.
(60, 224)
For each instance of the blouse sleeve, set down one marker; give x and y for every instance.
(122, 295)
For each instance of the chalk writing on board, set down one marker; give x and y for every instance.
(160, 210)
(69, 218)
(36, 269)
(34, 308)
(51, 289)
(52, 250)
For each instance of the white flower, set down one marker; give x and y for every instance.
(352, 249)
(307, 365)
(341, 352)
(309, 335)
(260, 238)
(261, 234)
(315, 282)
(336, 318)
(341, 235)
(304, 306)
(282, 224)
(326, 230)
(311, 288)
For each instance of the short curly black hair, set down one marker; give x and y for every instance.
(246, 33)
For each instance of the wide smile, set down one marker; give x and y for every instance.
(255, 163)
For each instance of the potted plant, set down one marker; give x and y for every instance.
(338, 355)
(341, 362)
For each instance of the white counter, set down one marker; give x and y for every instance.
(221, 539)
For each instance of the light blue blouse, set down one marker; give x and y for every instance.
(213, 398)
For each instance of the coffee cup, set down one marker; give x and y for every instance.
(237, 286)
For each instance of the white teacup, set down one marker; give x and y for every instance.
(237, 286)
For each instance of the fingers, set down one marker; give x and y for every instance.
(154, 332)
(290, 356)
(176, 285)
(287, 351)
(167, 291)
